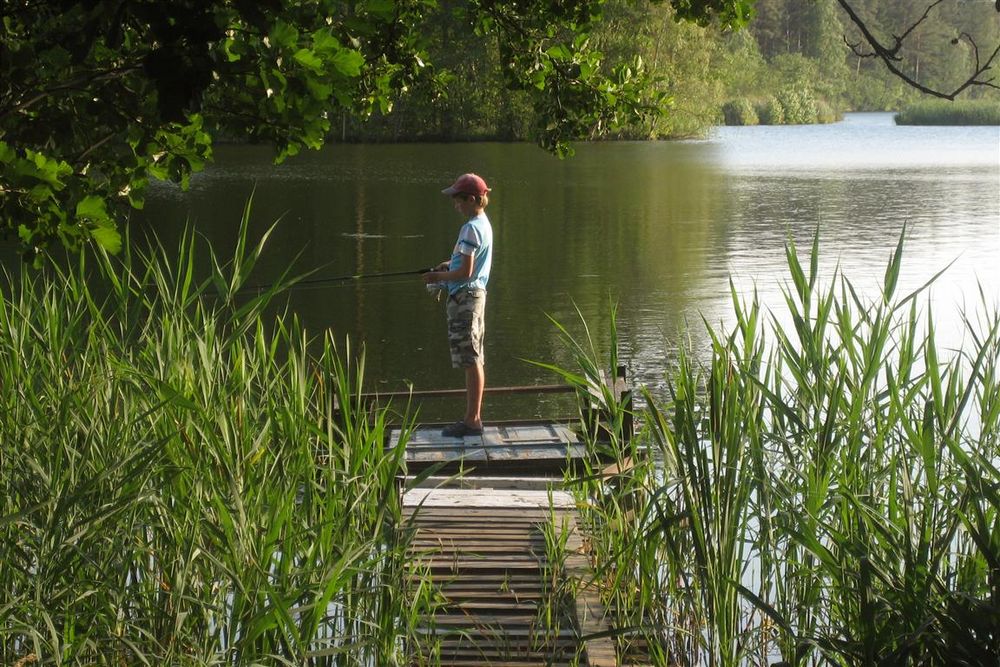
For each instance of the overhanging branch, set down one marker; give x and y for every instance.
(889, 55)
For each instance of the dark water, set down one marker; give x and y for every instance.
(660, 228)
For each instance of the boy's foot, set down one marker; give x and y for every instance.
(460, 429)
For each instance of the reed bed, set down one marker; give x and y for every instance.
(824, 494)
(944, 112)
(176, 486)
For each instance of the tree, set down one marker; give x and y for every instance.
(97, 97)
(892, 50)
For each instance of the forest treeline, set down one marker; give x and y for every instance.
(793, 64)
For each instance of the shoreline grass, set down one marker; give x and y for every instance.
(826, 494)
(175, 485)
(945, 112)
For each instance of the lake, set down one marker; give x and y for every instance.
(658, 227)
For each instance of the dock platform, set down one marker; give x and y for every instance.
(530, 449)
(479, 530)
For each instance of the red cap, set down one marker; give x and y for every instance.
(467, 184)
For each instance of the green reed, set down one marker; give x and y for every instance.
(945, 112)
(176, 485)
(825, 492)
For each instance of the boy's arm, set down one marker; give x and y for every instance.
(463, 272)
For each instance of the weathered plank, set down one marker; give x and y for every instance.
(509, 502)
(528, 450)
(485, 551)
(540, 483)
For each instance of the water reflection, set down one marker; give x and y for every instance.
(659, 227)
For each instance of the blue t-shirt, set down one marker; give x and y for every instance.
(474, 239)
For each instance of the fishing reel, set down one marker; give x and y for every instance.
(436, 290)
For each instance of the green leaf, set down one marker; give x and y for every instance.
(324, 42)
(227, 48)
(382, 9)
(892, 269)
(283, 35)
(310, 60)
(91, 208)
(41, 192)
(319, 90)
(348, 62)
(108, 238)
(559, 52)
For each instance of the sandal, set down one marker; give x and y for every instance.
(459, 430)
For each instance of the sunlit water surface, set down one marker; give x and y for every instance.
(659, 228)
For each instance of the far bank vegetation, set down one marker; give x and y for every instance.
(792, 65)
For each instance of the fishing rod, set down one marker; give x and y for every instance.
(363, 276)
(336, 279)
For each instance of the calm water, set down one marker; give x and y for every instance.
(660, 228)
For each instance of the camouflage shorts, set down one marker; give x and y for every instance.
(466, 327)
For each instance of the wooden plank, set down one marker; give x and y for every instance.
(481, 546)
(528, 468)
(520, 516)
(502, 581)
(474, 661)
(468, 568)
(543, 447)
(505, 499)
(452, 591)
(436, 555)
(478, 555)
(437, 454)
(456, 444)
(441, 538)
(437, 546)
(484, 482)
(519, 633)
(446, 535)
(537, 433)
(444, 538)
(491, 598)
(493, 652)
(534, 454)
(488, 620)
(591, 617)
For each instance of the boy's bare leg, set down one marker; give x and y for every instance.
(475, 382)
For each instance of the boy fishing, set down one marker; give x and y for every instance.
(465, 276)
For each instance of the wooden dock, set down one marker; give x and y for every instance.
(479, 533)
(530, 450)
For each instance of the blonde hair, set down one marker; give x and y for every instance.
(481, 200)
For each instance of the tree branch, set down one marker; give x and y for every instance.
(901, 39)
(76, 84)
(890, 55)
(93, 147)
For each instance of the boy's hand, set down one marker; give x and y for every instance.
(435, 274)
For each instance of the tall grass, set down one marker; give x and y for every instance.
(175, 484)
(944, 112)
(824, 493)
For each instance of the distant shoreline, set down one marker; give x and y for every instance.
(944, 112)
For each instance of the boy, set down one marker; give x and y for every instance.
(465, 275)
